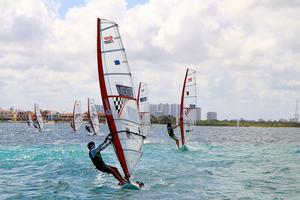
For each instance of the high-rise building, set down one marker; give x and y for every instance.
(166, 109)
(170, 109)
(153, 109)
(175, 110)
(198, 113)
(296, 112)
(99, 108)
(211, 116)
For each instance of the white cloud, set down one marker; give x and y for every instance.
(246, 53)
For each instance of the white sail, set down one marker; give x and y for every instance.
(144, 108)
(188, 106)
(118, 96)
(39, 118)
(77, 116)
(30, 122)
(93, 116)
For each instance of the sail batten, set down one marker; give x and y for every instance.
(118, 97)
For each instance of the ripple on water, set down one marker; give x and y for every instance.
(222, 163)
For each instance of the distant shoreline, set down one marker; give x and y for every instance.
(215, 123)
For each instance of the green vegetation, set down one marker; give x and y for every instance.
(163, 119)
(243, 123)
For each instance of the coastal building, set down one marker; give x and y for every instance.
(175, 110)
(66, 116)
(8, 115)
(101, 117)
(23, 115)
(170, 109)
(211, 116)
(153, 109)
(53, 116)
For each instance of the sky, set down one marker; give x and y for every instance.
(246, 53)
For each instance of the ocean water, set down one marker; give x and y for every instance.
(222, 163)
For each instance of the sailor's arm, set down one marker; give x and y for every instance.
(104, 144)
(175, 126)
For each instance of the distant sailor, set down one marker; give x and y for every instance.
(35, 124)
(171, 133)
(72, 125)
(88, 128)
(96, 158)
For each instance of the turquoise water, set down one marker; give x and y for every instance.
(223, 163)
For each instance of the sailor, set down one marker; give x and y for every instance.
(72, 124)
(171, 133)
(88, 128)
(97, 160)
(35, 124)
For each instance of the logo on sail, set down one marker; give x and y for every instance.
(108, 39)
(117, 62)
(190, 79)
(119, 104)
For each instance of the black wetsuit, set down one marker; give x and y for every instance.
(96, 157)
(88, 128)
(171, 133)
(36, 125)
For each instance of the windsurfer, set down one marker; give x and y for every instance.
(171, 133)
(72, 125)
(88, 128)
(35, 124)
(97, 160)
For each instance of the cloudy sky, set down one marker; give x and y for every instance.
(246, 53)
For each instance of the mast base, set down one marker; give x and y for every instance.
(183, 148)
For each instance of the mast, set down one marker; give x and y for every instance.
(73, 127)
(138, 96)
(296, 112)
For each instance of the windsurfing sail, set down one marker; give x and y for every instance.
(77, 116)
(118, 97)
(144, 108)
(188, 106)
(39, 119)
(29, 122)
(93, 116)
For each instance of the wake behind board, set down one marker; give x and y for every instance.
(183, 148)
(131, 186)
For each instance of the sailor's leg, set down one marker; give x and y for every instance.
(177, 143)
(176, 139)
(115, 172)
